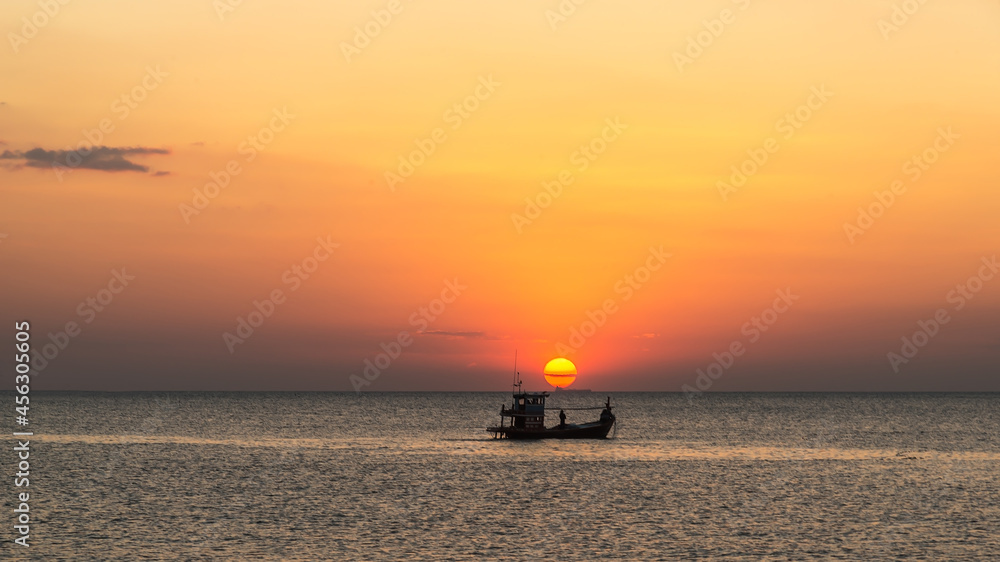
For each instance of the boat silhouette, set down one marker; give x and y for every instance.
(527, 420)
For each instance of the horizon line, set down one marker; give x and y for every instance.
(589, 391)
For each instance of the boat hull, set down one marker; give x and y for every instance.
(594, 430)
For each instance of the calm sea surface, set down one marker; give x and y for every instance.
(328, 476)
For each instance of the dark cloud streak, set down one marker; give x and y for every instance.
(454, 334)
(101, 158)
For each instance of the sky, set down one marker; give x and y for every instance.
(392, 195)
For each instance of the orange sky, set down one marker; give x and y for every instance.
(619, 101)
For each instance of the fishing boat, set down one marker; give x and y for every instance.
(527, 420)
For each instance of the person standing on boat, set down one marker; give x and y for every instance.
(562, 419)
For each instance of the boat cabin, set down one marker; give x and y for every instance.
(528, 410)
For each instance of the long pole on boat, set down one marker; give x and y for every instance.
(515, 372)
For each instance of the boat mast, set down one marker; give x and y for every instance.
(517, 384)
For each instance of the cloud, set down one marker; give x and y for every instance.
(161, 173)
(454, 334)
(102, 158)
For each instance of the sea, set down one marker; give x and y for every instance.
(415, 476)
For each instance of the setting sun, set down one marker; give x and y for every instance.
(560, 372)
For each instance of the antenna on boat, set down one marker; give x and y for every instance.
(517, 375)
